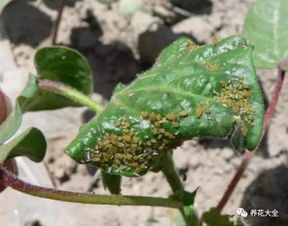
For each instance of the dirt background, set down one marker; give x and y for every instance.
(117, 49)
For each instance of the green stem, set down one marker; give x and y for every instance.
(70, 93)
(171, 174)
(172, 177)
(9, 179)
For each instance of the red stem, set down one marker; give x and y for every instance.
(55, 29)
(249, 155)
(8, 178)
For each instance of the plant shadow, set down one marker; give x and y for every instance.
(269, 191)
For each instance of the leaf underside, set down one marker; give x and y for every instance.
(31, 143)
(266, 27)
(191, 91)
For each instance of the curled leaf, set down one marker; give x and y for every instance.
(31, 143)
(191, 91)
(112, 182)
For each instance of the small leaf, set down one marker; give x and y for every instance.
(128, 7)
(30, 143)
(191, 91)
(9, 127)
(108, 2)
(3, 3)
(266, 27)
(214, 218)
(63, 65)
(188, 200)
(112, 182)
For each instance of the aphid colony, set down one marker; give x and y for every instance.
(236, 96)
(131, 154)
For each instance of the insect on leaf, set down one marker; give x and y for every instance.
(191, 91)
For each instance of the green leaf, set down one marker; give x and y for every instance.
(188, 200)
(63, 65)
(112, 182)
(9, 127)
(266, 27)
(30, 143)
(128, 7)
(108, 2)
(3, 3)
(214, 218)
(191, 91)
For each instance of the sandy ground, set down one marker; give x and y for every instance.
(117, 50)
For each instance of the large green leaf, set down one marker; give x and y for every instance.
(63, 65)
(30, 143)
(266, 26)
(191, 91)
(3, 3)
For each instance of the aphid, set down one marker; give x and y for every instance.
(171, 116)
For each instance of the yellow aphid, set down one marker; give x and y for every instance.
(183, 113)
(171, 116)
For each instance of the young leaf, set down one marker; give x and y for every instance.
(188, 200)
(191, 91)
(266, 27)
(23, 102)
(30, 143)
(3, 3)
(11, 124)
(108, 2)
(128, 7)
(112, 182)
(63, 65)
(214, 218)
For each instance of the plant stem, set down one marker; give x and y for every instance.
(57, 22)
(70, 93)
(248, 156)
(11, 180)
(171, 174)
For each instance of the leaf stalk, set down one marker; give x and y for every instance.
(70, 93)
